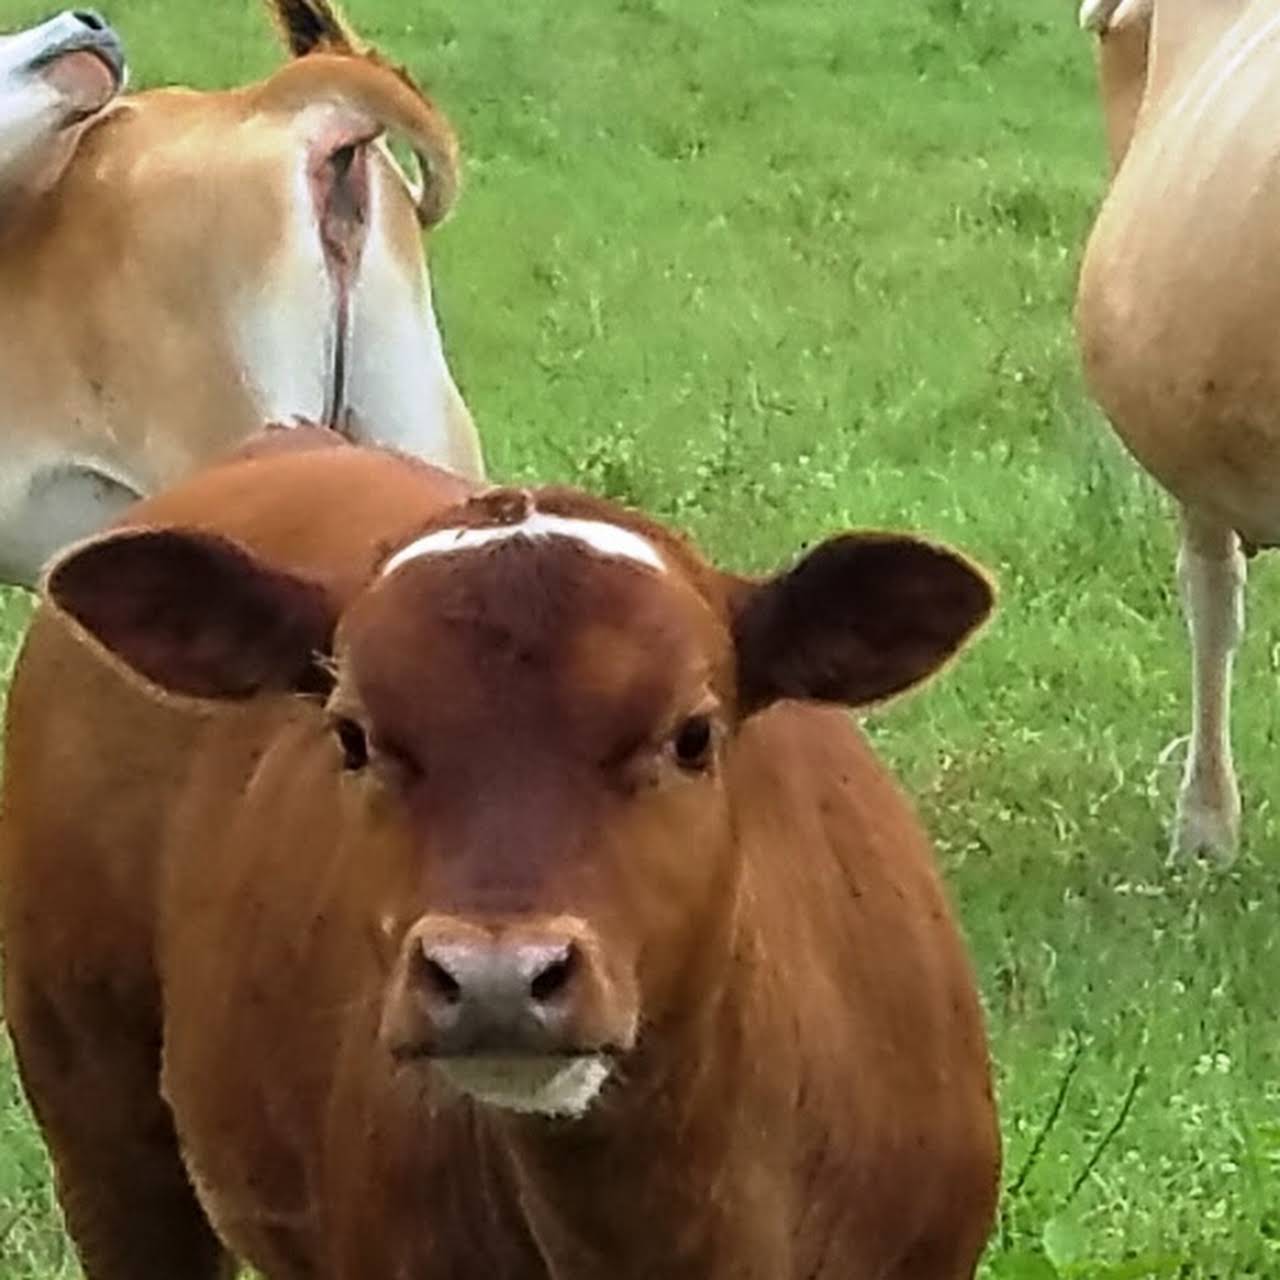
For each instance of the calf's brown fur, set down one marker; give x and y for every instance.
(253, 895)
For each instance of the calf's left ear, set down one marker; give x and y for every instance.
(860, 618)
(195, 614)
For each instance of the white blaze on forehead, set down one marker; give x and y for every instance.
(603, 538)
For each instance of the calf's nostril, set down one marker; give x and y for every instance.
(440, 982)
(91, 19)
(554, 977)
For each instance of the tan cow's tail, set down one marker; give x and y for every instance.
(388, 99)
(312, 26)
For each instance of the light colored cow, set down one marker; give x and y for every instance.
(179, 267)
(1178, 305)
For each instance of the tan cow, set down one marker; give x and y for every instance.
(462, 887)
(179, 267)
(1179, 294)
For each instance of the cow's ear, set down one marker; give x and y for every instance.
(860, 618)
(195, 614)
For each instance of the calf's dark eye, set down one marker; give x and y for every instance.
(693, 742)
(354, 744)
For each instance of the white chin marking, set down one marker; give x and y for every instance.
(532, 1086)
(602, 538)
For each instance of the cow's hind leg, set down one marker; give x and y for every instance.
(1211, 578)
(128, 1205)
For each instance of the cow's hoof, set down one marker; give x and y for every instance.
(1205, 831)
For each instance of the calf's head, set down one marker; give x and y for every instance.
(536, 706)
(52, 77)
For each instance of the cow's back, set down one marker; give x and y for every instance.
(304, 500)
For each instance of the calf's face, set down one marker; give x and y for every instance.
(552, 716)
(537, 702)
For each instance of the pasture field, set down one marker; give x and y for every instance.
(774, 267)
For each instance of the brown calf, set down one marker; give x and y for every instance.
(408, 883)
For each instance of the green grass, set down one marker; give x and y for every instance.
(773, 267)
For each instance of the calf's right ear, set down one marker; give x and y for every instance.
(194, 613)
